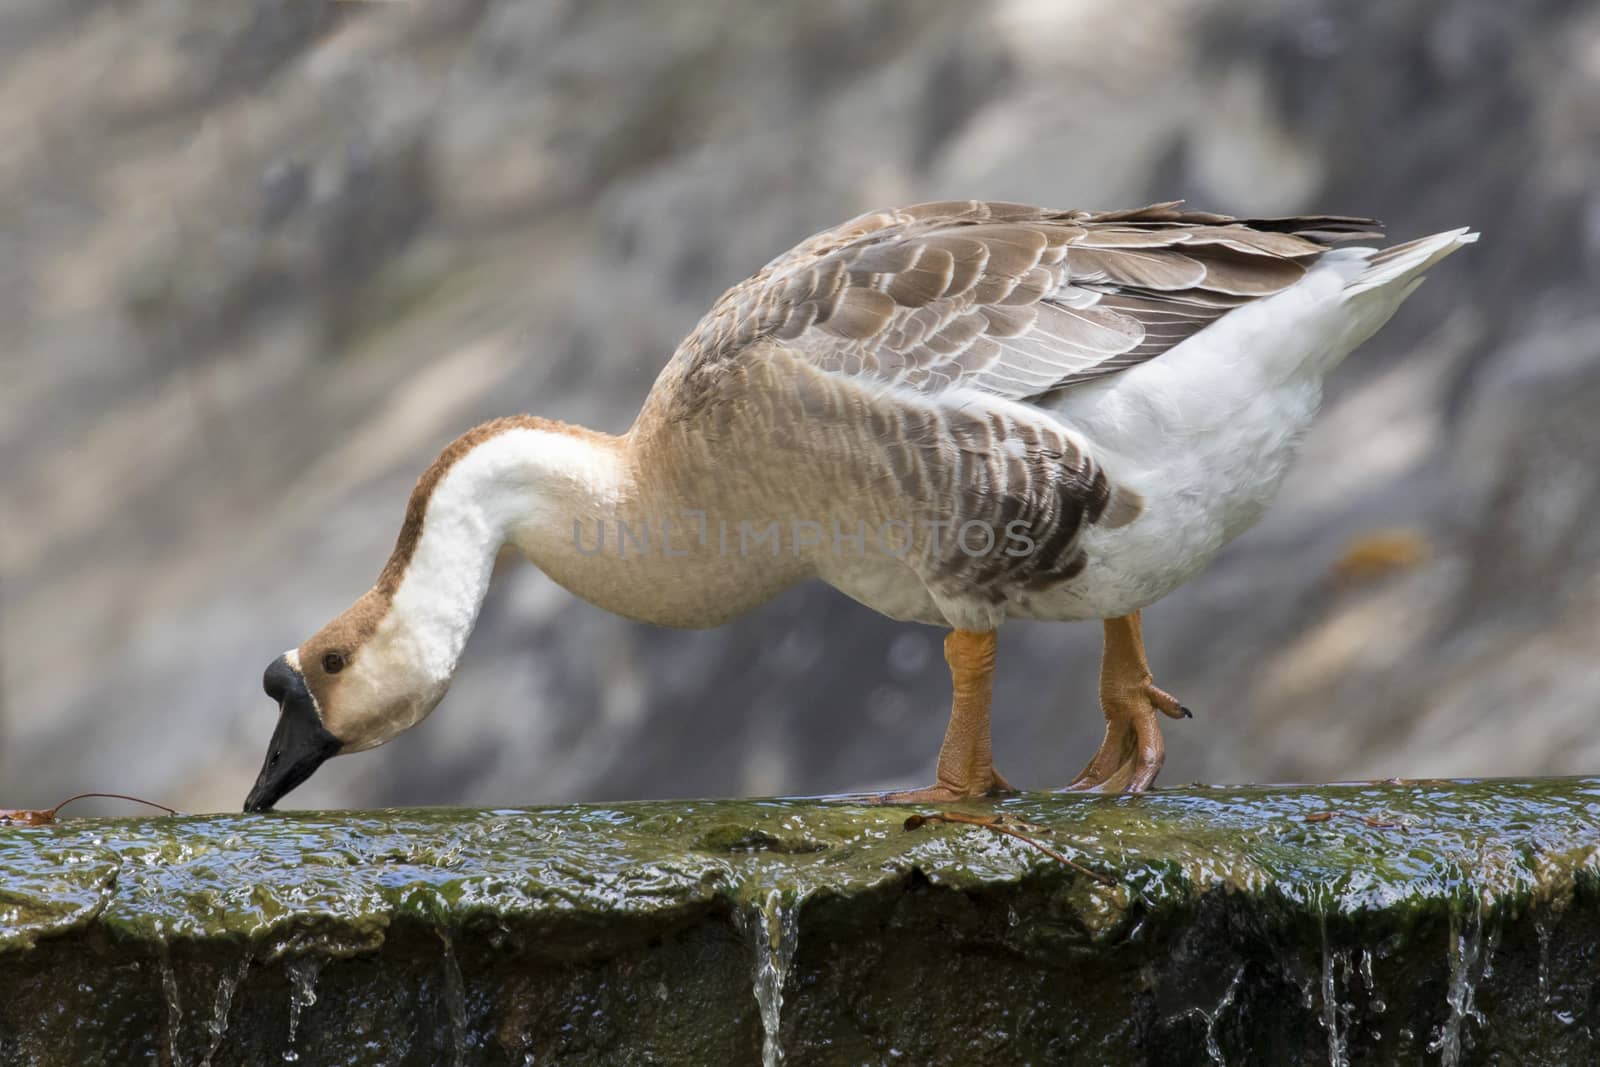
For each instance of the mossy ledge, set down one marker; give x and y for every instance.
(1398, 922)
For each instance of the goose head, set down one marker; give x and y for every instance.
(382, 666)
(360, 681)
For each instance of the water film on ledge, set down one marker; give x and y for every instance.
(1447, 922)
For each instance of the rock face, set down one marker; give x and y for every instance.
(256, 271)
(1344, 924)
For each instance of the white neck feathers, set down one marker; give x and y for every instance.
(519, 482)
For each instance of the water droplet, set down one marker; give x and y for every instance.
(302, 971)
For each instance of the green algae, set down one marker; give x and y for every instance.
(1367, 916)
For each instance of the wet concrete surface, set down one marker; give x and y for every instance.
(1452, 922)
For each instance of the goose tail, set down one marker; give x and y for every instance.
(1406, 262)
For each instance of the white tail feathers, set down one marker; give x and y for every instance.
(1406, 262)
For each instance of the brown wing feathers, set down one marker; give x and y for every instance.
(1011, 299)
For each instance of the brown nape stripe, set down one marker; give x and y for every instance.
(416, 509)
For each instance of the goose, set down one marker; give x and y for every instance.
(955, 413)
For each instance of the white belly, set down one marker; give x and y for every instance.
(1203, 485)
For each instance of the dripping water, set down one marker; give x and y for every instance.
(172, 1008)
(222, 1006)
(455, 1001)
(775, 929)
(1544, 962)
(1330, 999)
(1212, 1017)
(1547, 1001)
(303, 971)
(1379, 1006)
(1470, 951)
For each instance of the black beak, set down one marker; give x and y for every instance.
(300, 744)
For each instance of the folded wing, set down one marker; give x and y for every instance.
(1007, 299)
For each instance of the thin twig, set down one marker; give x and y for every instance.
(114, 796)
(38, 817)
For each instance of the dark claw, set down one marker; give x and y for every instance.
(1187, 714)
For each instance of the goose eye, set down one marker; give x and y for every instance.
(332, 662)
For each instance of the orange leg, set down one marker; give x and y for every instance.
(966, 761)
(1131, 755)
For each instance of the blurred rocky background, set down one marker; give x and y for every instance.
(260, 260)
